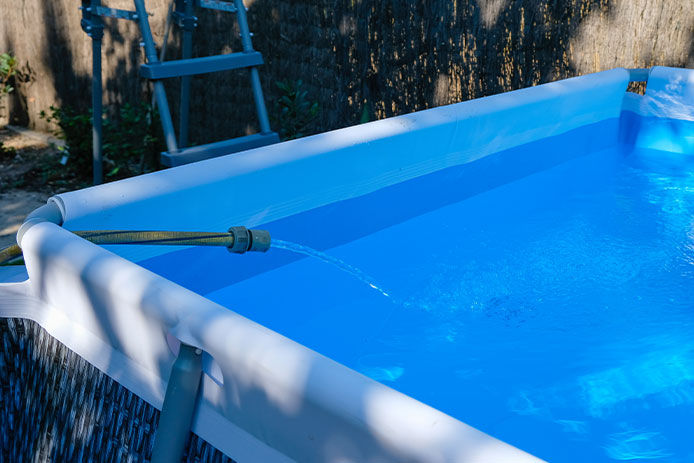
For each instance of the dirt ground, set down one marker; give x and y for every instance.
(24, 183)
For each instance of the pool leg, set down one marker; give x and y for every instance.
(179, 406)
(93, 25)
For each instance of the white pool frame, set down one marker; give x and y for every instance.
(265, 397)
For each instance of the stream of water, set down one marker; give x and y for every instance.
(328, 259)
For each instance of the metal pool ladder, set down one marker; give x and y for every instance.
(178, 152)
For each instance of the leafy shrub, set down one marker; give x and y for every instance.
(133, 142)
(75, 128)
(293, 112)
(8, 69)
(131, 146)
(6, 152)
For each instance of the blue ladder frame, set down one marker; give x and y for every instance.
(178, 152)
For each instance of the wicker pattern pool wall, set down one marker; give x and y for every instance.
(57, 407)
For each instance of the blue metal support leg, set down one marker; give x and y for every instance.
(97, 110)
(179, 406)
(94, 27)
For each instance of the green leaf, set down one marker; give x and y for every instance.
(365, 115)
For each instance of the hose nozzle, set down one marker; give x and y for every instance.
(249, 240)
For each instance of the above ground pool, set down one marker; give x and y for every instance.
(522, 263)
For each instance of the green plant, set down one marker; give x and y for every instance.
(75, 128)
(8, 69)
(293, 112)
(6, 152)
(132, 140)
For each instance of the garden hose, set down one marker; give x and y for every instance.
(237, 240)
(10, 253)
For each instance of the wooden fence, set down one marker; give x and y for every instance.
(358, 59)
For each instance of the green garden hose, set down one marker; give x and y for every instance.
(10, 253)
(237, 240)
(157, 238)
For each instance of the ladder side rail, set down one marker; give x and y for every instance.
(165, 41)
(97, 110)
(255, 78)
(189, 23)
(159, 91)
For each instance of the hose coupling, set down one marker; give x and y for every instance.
(249, 240)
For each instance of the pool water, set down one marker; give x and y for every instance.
(555, 312)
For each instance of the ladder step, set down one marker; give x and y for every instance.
(116, 13)
(221, 148)
(204, 65)
(218, 5)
